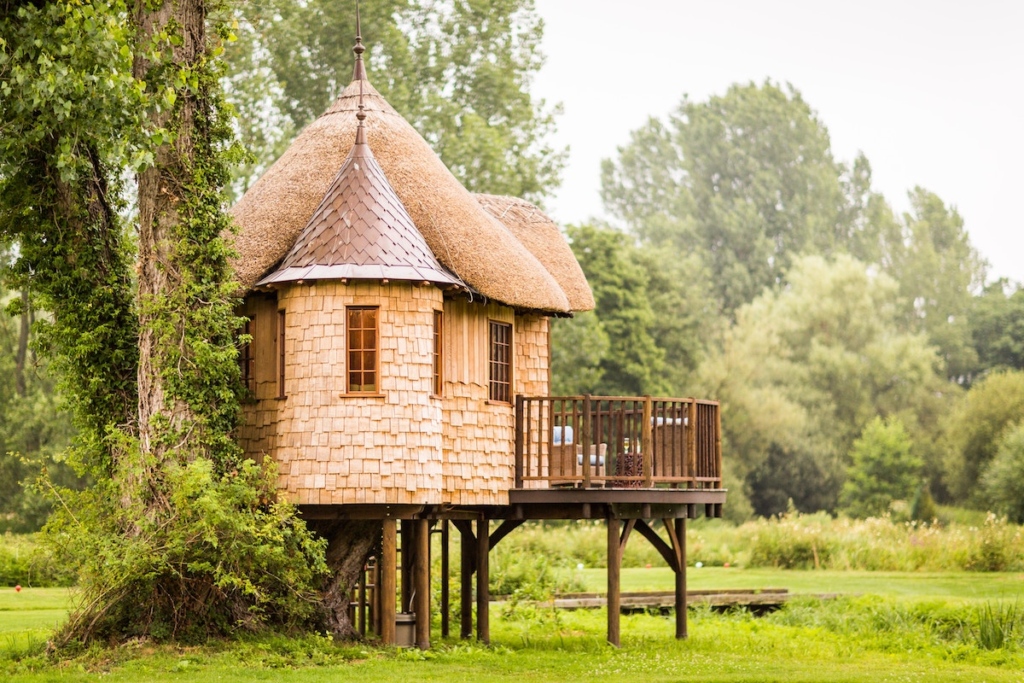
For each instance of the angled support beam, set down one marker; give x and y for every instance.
(504, 529)
(626, 530)
(664, 549)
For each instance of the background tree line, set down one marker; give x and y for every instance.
(859, 356)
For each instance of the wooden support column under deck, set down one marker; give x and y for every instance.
(362, 603)
(421, 582)
(405, 537)
(445, 579)
(388, 560)
(483, 593)
(677, 534)
(681, 598)
(614, 571)
(467, 565)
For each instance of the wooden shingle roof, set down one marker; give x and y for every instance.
(361, 230)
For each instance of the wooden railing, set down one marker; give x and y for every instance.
(617, 442)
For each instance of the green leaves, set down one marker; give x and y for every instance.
(745, 180)
(803, 370)
(883, 469)
(459, 72)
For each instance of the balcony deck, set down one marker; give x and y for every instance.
(618, 450)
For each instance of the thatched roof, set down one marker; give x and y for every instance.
(464, 237)
(360, 231)
(541, 236)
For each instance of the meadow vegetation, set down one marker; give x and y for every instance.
(941, 601)
(794, 541)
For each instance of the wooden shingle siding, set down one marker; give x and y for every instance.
(404, 445)
(334, 447)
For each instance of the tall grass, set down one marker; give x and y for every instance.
(998, 625)
(796, 541)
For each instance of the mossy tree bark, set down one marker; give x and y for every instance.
(349, 545)
(160, 194)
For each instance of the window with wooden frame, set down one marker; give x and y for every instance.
(500, 362)
(438, 323)
(280, 354)
(246, 359)
(362, 349)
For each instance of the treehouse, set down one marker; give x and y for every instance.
(399, 368)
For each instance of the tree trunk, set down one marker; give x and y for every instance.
(160, 196)
(21, 355)
(349, 545)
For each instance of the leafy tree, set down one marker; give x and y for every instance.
(34, 431)
(177, 537)
(938, 271)
(458, 70)
(805, 367)
(997, 327)
(578, 347)
(883, 469)
(746, 180)
(634, 364)
(1002, 481)
(988, 412)
(679, 293)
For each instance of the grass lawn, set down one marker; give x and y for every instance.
(904, 635)
(944, 585)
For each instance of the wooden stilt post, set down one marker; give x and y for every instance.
(483, 593)
(445, 579)
(405, 537)
(467, 567)
(421, 582)
(376, 596)
(388, 560)
(680, 540)
(614, 564)
(362, 602)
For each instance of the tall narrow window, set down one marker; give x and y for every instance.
(500, 362)
(280, 354)
(362, 349)
(246, 359)
(438, 320)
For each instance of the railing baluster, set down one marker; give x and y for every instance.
(519, 440)
(647, 443)
(577, 430)
(691, 442)
(585, 442)
(718, 446)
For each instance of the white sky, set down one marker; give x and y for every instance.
(932, 91)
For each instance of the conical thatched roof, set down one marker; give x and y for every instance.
(464, 237)
(361, 231)
(541, 236)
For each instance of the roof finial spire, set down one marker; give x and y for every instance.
(360, 74)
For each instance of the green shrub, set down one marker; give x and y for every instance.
(792, 542)
(25, 562)
(883, 469)
(994, 545)
(1002, 482)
